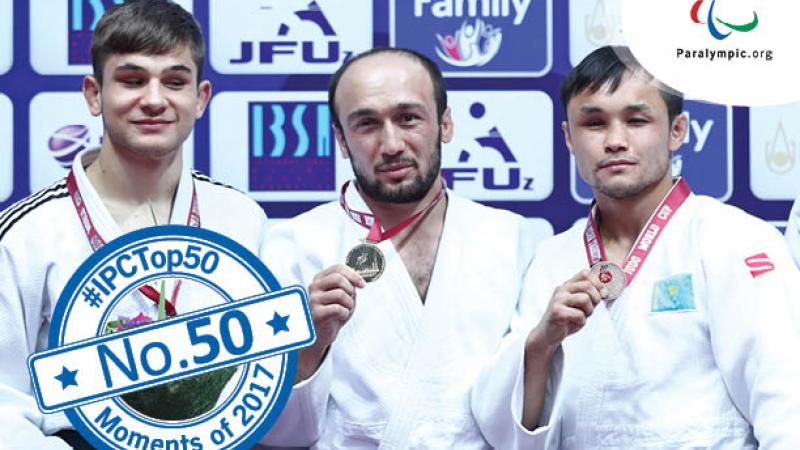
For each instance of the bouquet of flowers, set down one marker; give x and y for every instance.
(177, 400)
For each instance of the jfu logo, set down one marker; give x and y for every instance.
(503, 172)
(292, 39)
(291, 147)
(83, 17)
(704, 159)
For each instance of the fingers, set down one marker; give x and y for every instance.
(332, 293)
(585, 282)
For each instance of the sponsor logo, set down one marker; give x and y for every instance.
(61, 33)
(593, 24)
(759, 264)
(781, 153)
(215, 377)
(66, 142)
(471, 45)
(773, 154)
(291, 147)
(6, 35)
(705, 159)
(713, 22)
(6, 142)
(276, 146)
(291, 36)
(492, 155)
(83, 17)
(477, 37)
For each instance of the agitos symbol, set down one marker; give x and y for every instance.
(712, 28)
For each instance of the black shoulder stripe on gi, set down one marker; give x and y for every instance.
(18, 210)
(200, 176)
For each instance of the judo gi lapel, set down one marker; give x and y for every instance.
(432, 326)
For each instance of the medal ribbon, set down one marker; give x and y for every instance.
(595, 252)
(97, 241)
(373, 223)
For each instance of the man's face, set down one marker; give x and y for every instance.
(149, 103)
(390, 130)
(623, 142)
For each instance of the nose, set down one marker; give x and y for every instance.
(153, 101)
(616, 137)
(391, 140)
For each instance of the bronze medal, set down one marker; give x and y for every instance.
(366, 259)
(612, 277)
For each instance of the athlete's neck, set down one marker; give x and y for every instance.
(390, 214)
(621, 220)
(125, 180)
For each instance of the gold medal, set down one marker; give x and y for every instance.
(612, 277)
(366, 259)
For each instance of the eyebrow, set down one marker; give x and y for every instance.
(133, 67)
(635, 107)
(404, 106)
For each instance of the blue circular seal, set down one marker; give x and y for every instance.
(238, 404)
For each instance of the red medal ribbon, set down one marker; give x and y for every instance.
(595, 252)
(373, 223)
(97, 241)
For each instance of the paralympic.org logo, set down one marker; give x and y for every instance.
(471, 45)
(712, 20)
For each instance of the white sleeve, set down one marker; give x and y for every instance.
(755, 328)
(23, 425)
(793, 231)
(498, 393)
(302, 421)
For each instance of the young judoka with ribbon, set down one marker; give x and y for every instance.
(687, 343)
(147, 58)
(412, 287)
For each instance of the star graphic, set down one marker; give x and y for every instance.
(67, 377)
(278, 323)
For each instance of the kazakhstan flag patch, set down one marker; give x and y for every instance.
(673, 294)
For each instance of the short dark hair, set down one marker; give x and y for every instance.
(437, 80)
(605, 68)
(154, 27)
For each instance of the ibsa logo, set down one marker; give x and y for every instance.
(292, 147)
(61, 33)
(477, 38)
(711, 18)
(83, 18)
(276, 146)
(288, 36)
(492, 156)
(705, 159)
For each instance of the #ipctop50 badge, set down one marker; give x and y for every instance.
(216, 377)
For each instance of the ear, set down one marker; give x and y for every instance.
(92, 93)
(677, 131)
(447, 126)
(567, 136)
(203, 96)
(343, 149)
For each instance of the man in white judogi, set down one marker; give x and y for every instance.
(147, 58)
(696, 351)
(793, 231)
(396, 357)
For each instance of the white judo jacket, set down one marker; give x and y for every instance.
(399, 374)
(42, 243)
(700, 351)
